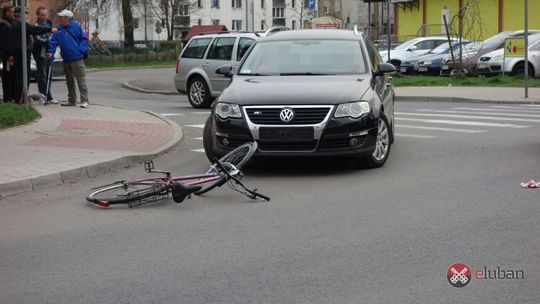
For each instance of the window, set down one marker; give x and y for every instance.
(237, 25)
(183, 10)
(262, 4)
(199, 3)
(196, 48)
(199, 21)
(338, 6)
(236, 3)
(135, 23)
(243, 46)
(215, 21)
(277, 12)
(326, 7)
(215, 3)
(425, 45)
(535, 47)
(221, 49)
(293, 3)
(262, 25)
(293, 25)
(374, 56)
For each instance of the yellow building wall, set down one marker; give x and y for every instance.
(486, 25)
(513, 14)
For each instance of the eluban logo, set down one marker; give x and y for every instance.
(459, 275)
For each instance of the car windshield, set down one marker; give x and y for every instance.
(443, 48)
(304, 57)
(496, 40)
(406, 44)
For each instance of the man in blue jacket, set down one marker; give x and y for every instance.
(73, 47)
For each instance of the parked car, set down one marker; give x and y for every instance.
(58, 67)
(412, 48)
(492, 63)
(307, 92)
(383, 45)
(196, 66)
(472, 54)
(430, 63)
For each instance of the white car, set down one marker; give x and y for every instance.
(412, 48)
(492, 63)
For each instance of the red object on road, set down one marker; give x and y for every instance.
(530, 184)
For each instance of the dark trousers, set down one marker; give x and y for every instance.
(42, 66)
(18, 76)
(7, 80)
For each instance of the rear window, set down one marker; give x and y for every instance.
(196, 48)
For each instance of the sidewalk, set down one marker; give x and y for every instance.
(70, 143)
(441, 94)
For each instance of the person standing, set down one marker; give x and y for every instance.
(15, 50)
(73, 47)
(7, 76)
(43, 64)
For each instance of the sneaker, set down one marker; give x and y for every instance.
(84, 105)
(53, 101)
(68, 104)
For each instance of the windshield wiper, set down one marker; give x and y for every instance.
(304, 74)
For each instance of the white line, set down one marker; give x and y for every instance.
(198, 138)
(521, 110)
(198, 150)
(482, 113)
(196, 126)
(201, 113)
(468, 117)
(464, 123)
(510, 107)
(414, 135)
(530, 105)
(441, 129)
(171, 114)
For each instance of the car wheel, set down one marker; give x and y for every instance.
(198, 93)
(382, 146)
(208, 140)
(519, 69)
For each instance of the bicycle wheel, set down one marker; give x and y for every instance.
(238, 158)
(133, 194)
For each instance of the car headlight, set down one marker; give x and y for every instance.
(352, 109)
(228, 110)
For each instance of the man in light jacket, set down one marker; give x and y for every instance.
(73, 47)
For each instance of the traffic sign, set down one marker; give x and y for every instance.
(514, 47)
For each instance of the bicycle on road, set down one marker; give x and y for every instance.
(138, 192)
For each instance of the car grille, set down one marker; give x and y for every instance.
(496, 67)
(302, 116)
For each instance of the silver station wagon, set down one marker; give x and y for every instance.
(196, 67)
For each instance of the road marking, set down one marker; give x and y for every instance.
(196, 126)
(520, 110)
(200, 113)
(198, 138)
(464, 123)
(468, 117)
(441, 129)
(171, 114)
(198, 150)
(482, 113)
(414, 135)
(512, 107)
(530, 105)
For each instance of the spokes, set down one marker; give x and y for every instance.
(381, 146)
(197, 92)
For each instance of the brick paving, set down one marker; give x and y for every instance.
(70, 142)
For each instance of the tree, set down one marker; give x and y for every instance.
(168, 9)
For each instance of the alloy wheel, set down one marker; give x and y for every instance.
(197, 92)
(383, 140)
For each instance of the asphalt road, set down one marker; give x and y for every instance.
(331, 234)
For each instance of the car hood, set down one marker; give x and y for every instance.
(295, 90)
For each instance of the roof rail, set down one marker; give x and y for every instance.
(275, 29)
(356, 30)
(213, 33)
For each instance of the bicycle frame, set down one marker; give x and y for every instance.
(200, 179)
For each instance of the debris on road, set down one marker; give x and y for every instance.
(530, 184)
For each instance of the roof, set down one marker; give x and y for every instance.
(313, 34)
(199, 29)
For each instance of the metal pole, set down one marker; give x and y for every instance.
(388, 28)
(24, 53)
(145, 21)
(369, 20)
(526, 48)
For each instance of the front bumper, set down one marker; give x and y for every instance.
(330, 137)
(489, 68)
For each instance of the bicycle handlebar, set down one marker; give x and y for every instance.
(253, 193)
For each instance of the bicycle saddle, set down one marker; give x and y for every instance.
(180, 191)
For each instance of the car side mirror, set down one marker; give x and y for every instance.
(384, 69)
(413, 48)
(225, 70)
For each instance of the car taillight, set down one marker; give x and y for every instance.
(177, 65)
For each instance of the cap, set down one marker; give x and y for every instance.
(65, 13)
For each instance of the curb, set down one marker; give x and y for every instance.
(129, 86)
(90, 171)
(460, 99)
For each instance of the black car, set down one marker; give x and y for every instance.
(307, 92)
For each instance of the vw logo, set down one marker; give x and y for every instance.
(286, 115)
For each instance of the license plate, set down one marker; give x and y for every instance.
(482, 65)
(445, 67)
(422, 69)
(286, 134)
(403, 70)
